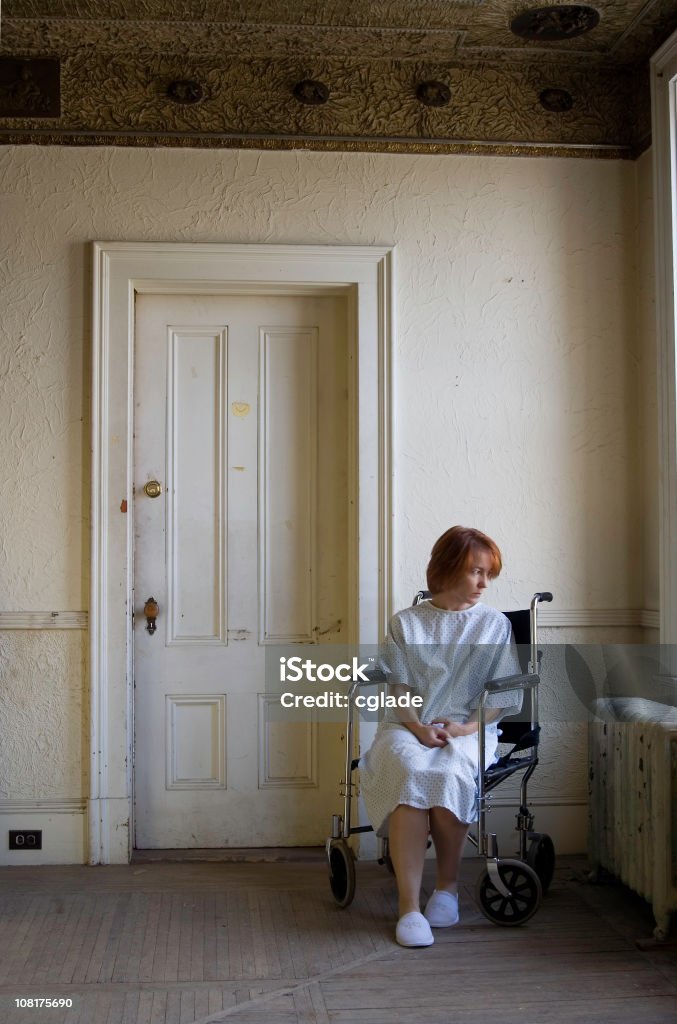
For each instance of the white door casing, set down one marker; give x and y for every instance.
(121, 270)
(241, 415)
(664, 146)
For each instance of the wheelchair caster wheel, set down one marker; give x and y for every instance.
(523, 899)
(541, 857)
(341, 871)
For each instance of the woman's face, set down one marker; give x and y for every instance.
(468, 588)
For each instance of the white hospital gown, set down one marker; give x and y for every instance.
(445, 657)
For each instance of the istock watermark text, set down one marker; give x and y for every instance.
(293, 670)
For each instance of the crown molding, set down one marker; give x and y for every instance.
(120, 98)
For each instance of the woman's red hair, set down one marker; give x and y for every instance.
(453, 552)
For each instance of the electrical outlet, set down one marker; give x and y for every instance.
(25, 839)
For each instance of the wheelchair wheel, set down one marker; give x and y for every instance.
(524, 897)
(541, 857)
(341, 871)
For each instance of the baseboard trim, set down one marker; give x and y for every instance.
(64, 831)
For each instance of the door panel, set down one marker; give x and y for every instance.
(289, 483)
(196, 486)
(241, 414)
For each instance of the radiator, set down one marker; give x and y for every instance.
(633, 800)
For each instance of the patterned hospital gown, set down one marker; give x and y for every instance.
(445, 657)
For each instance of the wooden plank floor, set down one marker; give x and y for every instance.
(200, 943)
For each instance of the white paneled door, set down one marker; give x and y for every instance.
(241, 424)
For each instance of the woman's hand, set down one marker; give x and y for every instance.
(453, 729)
(429, 735)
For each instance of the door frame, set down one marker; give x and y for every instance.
(664, 160)
(121, 269)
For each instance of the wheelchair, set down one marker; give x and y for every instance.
(510, 890)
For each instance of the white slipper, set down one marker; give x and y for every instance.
(441, 910)
(413, 930)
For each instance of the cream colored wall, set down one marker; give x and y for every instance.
(515, 396)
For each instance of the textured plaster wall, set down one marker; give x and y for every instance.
(43, 714)
(523, 306)
(515, 394)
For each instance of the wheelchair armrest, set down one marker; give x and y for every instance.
(518, 682)
(374, 677)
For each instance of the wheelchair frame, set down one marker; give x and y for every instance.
(510, 890)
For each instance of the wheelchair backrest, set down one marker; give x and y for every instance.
(512, 726)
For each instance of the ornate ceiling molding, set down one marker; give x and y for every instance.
(335, 145)
(628, 30)
(375, 102)
(155, 72)
(213, 40)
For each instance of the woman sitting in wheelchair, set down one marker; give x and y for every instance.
(420, 774)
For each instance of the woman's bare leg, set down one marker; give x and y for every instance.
(448, 836)
(407, 840)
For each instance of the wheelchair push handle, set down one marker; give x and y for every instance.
(545, 596)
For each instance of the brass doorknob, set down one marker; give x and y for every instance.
(151, 610)
(153, 489)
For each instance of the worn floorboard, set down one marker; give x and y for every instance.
(264, 943)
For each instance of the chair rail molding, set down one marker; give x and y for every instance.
(43, 620)
(122, 269)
